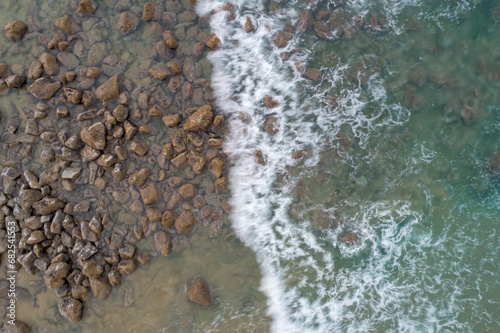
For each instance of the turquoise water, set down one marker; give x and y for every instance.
(401, 160)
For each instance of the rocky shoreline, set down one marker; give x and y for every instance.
(108, 153)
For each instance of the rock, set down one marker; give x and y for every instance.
(91, 269)
(162, 242)
(121, 196)
(349, 237)
(144, 257)
(127, 266)
(17, 327)
(197, 161)
(121, 153)
(314, 74)
(49, 63)
(216, 167)
(187, 191)
(89, 154)
(72, 95)
(221, 183)
(174, 67)
(270, 125)
(15, 81)
(213, 42)
(74, 142)
(35, 70)
(138, 147)
(199, 293)
(86, 7)
(469, 114)
(48, 205)
(69, 60)
(80, 292)
(61, 112)
(149, 193)
(87, 251)
(114, 277)
(172, 120)
(148, 12)
(110, 89)
(281, 38)
(304, 21)
(100, 287)
(336, 18)
(35, 237)
(93, 72)
(29, 197)
(59, 270)
(106, 160)
(139, 177)
(128, 22)
(15, 30)
(248, 25)
(159, 71)
(119, 171)
(4, 68)
(169, 40)
(130, 129)
(127, 251)
(167, 219)
(270, 102)
(70, 309)
(179, 161)
(94, 136)
(200, 119)
(44, 88)
(87, 99)
(185, 223)
(322, 30)
(71, 173)
(65, 24)
(97, 53)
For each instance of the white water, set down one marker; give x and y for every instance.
(314, 282)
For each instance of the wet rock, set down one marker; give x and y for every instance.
(15, 81)
(128, 22)
(172, 120)
(138, 147)
(139, 177)
(74, 142)
(86, 7)
(322, 30)
(80, 292)
(17, 327)
(270, 102)
(61, 112)
(29, 197)
(100, 287)
(72, 95)
(15, 30)
(200, 119)
(179, 161)
(68, 60)
(87, 251)
(89, 154)
(70, 309)
(349, 237)
(162, 243)
(314, 74)
(44, 88)
(148, 12)
(71, 173)
(127, 266)
(281, 38)
(110, 89)
(187, 191)
(174, 67)
(58, 269)
(197, 161)
(121, 196)
(270, 125)
(94, 136)
(48, 205)
(106, 160)
(11, 173)
(213, 42)
(248, 25)
(169, 40)
(167, 219)
(92, 270)
(216, 167)
(35, 237)
(49, 63)
(35, 71)
(149, 193)
(119, 171)
(336, 18)
(127, 251)
(221, 183)
(130, 129)
(121, 153)
(4, 68)
(199, 293)
(304, 22)
(114, 277)
(65, 24)
(185, 223)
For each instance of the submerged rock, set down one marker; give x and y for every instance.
(199, 293)
(94, 136)
(44, 88)
(15, 30)
(86, 7)
(71, 309)
(110, 89)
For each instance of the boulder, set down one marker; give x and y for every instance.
(15, 30)
(199, 292)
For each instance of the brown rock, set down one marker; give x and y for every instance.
(89, 154)
(130, 129)
(248, 25)
(70, 309)
(469, 114)
(173, 66)
(159, 71)
(48, 205)
(270, 125)
(65, 24)
(304, 22)
(127, 266)
(16, 327)
(15, 81)
(221, 183)
(216, 167)
(162, 243)
(336, 18)
(94, 136)
(172, 120)
(93, 72)
(138, 147)
(139, 177)
(322, 30)
(72, 95)
(149, 11)
(187, 191)
(199, 293)
(270, 102)
(155, 112)
(197, 161)
(314, 74)
(200, 119)
(86, 7)
(153, 214)
(185, 223)
(167, 219)
(281, 38)
(213, 41)
(15, 30)
(179, 161)
(128, 22)
(121, 153)
(106, 160)
(170, 40)
(110, 89)
(349, 237)
(100, 287)
(149, 193)
(35, 71)
(44, 88)
(4, 68)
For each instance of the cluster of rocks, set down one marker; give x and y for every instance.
(97, 133)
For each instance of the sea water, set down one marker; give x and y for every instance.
(390, 149)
